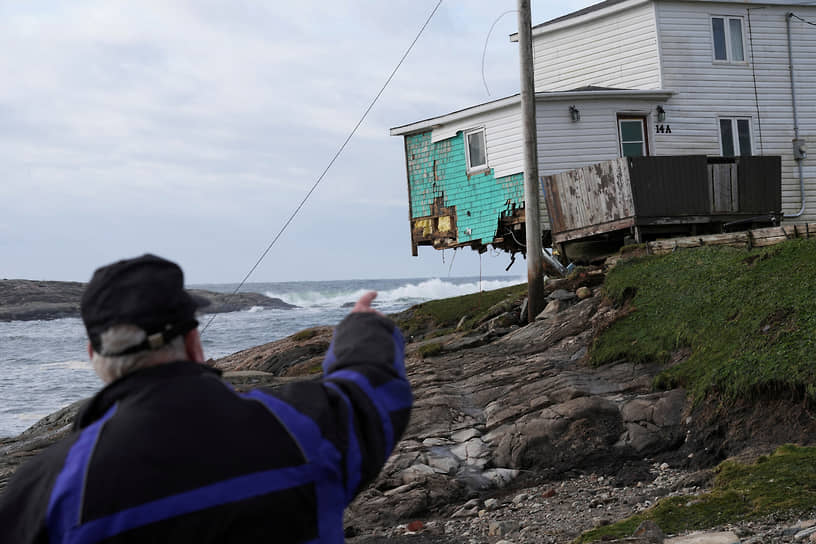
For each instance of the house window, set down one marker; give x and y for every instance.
(728, 42)
(735, 137)
(475, 150)
(632, 131)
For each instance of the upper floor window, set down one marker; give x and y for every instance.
(735, 137)
(728, 41)
(475, 150)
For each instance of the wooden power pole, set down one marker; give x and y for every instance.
(535, 270)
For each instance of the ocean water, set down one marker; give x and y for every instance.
(44, 364)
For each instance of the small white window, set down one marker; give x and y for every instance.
(728, 40)
(632, 132)
(476, 150)
(735, 137)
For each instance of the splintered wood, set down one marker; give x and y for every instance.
(747, 239)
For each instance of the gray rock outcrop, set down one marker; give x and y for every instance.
(26, 300)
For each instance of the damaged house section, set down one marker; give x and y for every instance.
(456, 200)
(709, 105)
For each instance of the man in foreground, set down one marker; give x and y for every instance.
(168, 452)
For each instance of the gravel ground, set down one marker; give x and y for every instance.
(556, 513)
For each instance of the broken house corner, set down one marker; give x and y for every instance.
(451, 207)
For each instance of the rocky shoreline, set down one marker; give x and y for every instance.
(514, 438)
(27, 300)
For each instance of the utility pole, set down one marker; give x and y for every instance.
(535, 270)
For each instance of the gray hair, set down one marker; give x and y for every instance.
(121, 337)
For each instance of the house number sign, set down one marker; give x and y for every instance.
(663, 129)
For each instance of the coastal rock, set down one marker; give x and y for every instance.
(649, 532)
(705, 538)
(552, 308)
(562, 295)
(520, 415)
(238, 302)
(23, 300)
(296, 355)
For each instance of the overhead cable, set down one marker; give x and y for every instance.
(332, 161)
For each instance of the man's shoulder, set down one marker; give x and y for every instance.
(23, 503)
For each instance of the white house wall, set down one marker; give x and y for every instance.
(619, 50)
(564, 144)
(706, 90)
(503, 137)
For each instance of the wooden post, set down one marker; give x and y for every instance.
(535, 270)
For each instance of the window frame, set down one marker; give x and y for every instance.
(729, 54)
(471, 169)
(735, 134)
(644, 120)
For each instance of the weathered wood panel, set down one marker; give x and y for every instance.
(724, 187)
(754, 238)
(592, 196)
(693, 189)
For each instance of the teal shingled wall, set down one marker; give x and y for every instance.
(481, 194)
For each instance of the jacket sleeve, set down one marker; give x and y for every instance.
(363, 402)
(24, 503)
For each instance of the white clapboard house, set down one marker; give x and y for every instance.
(626, 78)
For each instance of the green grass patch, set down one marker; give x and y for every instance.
(445, 314)
(429, 350)
(748, 318)
(304, 335)
(782, 482)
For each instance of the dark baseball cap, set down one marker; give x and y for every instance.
(146, 291)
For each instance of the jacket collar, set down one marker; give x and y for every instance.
(136, 381)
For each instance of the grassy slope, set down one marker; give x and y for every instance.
(782, 482)
(436, 317)
(749, 322)
(749, 319)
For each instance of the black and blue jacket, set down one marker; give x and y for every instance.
(172, 454)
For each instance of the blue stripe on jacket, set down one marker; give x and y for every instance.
(324, 460)
(65, 505)
(226, 491)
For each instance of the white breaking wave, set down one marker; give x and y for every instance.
(409, 293)
(256, 309)
(70, 365)
(436, 288)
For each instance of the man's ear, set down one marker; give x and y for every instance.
(192, 345)
(90, 351)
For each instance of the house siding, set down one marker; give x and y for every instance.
(707, 90)
(439, 169)
(564, 144)
(619, 50)
(503, 138)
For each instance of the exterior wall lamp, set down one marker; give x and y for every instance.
(661, 114)
(574, 114)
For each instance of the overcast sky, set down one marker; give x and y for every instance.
(192, 129)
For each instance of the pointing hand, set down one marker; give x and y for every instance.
(364, 304)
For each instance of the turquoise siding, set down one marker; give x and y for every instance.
(480, 198)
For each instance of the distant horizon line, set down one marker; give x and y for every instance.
(197, 283)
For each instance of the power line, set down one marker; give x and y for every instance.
(331, 162)
(484, 50)
(803, 20)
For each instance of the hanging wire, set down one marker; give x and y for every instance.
(484, 50)
(331, 162)
(451, 264)
(803, 20)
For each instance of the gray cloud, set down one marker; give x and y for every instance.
(194, 128)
